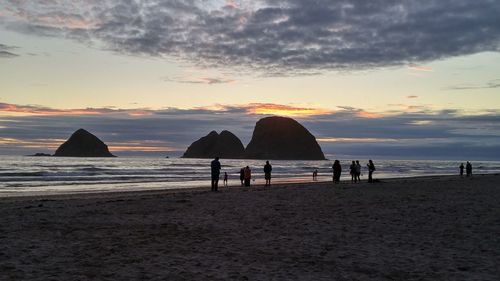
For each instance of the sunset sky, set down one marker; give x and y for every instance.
(394, 79)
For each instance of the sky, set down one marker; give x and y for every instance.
(381, 78)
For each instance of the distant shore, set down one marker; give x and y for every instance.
(431, 228)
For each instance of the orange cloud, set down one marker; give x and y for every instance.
(369, 115)
(27, 110)
(420, 68)
(143, 145)
(284, 110)
(42, 144)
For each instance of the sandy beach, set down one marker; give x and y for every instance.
(434, 228)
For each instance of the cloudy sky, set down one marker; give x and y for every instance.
(385, 78)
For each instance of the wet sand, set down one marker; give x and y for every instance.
(434, 228)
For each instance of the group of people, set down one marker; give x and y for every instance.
(245, 174)
(354, 170)
(468, 169)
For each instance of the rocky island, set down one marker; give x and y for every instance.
(282, 138)
(225, 145)
(83, 144)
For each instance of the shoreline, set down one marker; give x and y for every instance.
(30, 196)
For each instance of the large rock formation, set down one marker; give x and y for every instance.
(226, 145)
(282, 138)
(83, 144)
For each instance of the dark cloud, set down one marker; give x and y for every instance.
(5, 51)
(273, 36)
(426, 134)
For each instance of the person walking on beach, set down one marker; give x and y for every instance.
(371, 169)
(358, 171)
(352, 171)
(267, 173)
(461, 169)
(248, 176)
(215, 166)
(337, 170)
(242, 175)
(225, 179)
(315, 175)
(468, 169)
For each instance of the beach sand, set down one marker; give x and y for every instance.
(434, 228)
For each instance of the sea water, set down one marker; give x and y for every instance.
(46, 175)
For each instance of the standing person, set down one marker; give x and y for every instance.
(225, 179)
(337, 170)
(358, 171)
(215, 166)
(352, 170)
(468, 169)
(315, 174)
(461, 169)
(242, 175)
(371, 169)
(267, 173)
(248, 176)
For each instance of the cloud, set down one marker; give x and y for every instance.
(422, 134)
(412, 97)
(202, 80)
(282, 37)
(5, 51)
(493, 84)
(420, 68)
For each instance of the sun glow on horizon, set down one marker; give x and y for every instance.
(285, 110)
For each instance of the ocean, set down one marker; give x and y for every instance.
(48, 175)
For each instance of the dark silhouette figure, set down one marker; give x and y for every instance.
(337, 170)
(358, 171)
(315, 175)
(248, 176)
(267, 173)
(371, 169)
(242, 175)
(468, 169)
(352, 171)
(462, 167)
(215, 166)
(225, 179)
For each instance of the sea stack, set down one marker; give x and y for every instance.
(83, 144)
(225, 145)
(282, 138)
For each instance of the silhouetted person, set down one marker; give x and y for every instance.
(371, 169)
(215, 166)
(242, 175)
(337, 170)
(462, 167)
(225, 179)
(352, 171)
(315, 175)
(468, 169)
(248, 176)
(358, 171)
(267, 173)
